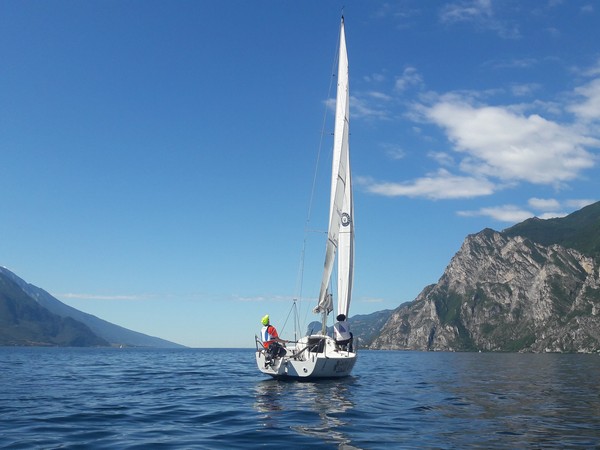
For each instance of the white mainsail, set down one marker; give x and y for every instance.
(340, 237)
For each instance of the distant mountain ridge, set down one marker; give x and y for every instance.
(533, 287)
(23, 303)
(24, 322)
(364, 327)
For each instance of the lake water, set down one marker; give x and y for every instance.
(216, 398)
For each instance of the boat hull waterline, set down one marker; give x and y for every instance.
(312, 357)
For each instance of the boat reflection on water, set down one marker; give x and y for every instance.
(268, 396)
(316, 409)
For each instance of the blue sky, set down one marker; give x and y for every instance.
(157, 156)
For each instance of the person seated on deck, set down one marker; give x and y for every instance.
(271, 340)
(342, 335)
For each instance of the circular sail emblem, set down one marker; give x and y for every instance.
(346, 219)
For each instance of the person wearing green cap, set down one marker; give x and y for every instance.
(271, 340)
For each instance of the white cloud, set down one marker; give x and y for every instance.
(522, 90)
(360, 108)
(479, 13)
(442, 158)
(393, 151)
(493, 146)
(594, 70)
(379, 96)
(505, 213)
(466, 11)
(588, 109)
(500, 143)
(436, 186)
(410, 77)
(579, 203)
(375, 78)
(552, 215)
(516, 63)
(551, 208)
(541, 204)
(103, 297)
(365, 106)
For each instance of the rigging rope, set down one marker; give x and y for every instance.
(300, 279)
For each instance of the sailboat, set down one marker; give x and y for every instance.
(319, 355)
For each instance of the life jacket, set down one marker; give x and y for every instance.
(268, 332)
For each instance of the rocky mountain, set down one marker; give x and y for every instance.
(366, 327)
(31, 316)
(534, 287)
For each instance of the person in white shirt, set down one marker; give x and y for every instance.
(342, 335)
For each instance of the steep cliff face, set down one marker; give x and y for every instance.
(503, 293)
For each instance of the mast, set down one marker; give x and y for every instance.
(340, 236)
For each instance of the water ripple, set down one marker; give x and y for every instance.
(137, 399)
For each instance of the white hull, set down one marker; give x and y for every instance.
(313, 357)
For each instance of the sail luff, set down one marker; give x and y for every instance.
(340, 213)
(346, 237)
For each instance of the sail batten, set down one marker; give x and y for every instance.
(340, 240)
